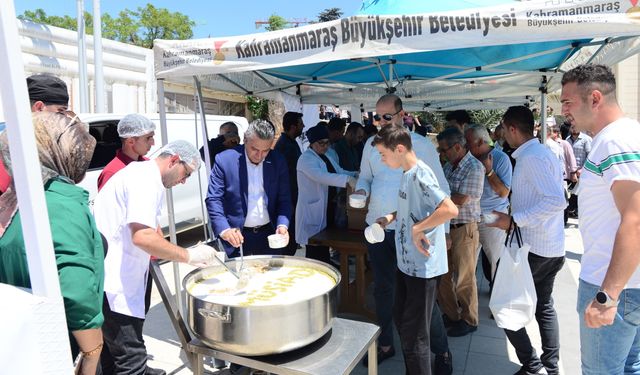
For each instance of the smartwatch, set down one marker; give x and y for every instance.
(605, 300)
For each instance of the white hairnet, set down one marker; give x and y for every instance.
(185, 150)
(135, 125)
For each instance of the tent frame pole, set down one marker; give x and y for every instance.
(169, 196)
(205, 142)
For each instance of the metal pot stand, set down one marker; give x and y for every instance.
(337, 352)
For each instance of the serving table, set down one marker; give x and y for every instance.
(349, 242)
(337, 352)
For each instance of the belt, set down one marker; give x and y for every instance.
(456, 226)
(258, 228)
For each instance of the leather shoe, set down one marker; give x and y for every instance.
(444, 364)
(382, 355)
(461, 328)
(525, 370)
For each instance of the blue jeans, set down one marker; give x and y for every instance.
(614, 349)
(383, 261)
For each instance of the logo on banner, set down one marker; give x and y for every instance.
(633, 13)
(218, 58)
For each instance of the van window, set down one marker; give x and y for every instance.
(107, 143)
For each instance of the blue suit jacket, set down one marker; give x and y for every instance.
(228, 185)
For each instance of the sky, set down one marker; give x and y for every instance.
(213, 18)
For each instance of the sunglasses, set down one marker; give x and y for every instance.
(74, 120)
(386, 116)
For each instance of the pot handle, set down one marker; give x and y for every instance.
(224, 315)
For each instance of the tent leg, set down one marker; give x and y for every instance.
(170, 209)
(543, 115)
(207, 162)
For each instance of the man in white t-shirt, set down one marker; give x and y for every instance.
(127, 211)
(609, 200)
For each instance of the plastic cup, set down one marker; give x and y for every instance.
(277, 241)
(374, 233)
(488, 218)
(357, 200)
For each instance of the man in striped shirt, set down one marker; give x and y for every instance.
(609, 288)
(537, 207)
(457, 292)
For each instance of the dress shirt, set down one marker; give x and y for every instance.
(257, 213)
(537, 199)
(381, 183)
(466, 178)
(581, 148)
(569, 159)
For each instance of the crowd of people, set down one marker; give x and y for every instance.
(440, 207)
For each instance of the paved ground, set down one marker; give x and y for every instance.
(486, 351)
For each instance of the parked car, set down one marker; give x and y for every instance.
(188, 198)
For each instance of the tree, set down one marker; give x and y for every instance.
(330, 14)
(160, 23)
(139, 27)
(276, 22)
(487, 117)
(65, 22)
(258, 107)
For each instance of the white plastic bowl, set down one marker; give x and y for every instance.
(374, 233)
(277, 241)
(357, 200)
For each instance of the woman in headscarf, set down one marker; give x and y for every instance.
(65, 148)
(318, 177)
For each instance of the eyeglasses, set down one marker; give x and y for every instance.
(323, 142)
(386, 116)
(74, 120)
(187, 169)
(443, 150)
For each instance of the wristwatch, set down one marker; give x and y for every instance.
(605, 300)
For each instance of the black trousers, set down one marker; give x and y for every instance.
(544, 272)
(412, 311)
(124, 351)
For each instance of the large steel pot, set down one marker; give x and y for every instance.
(261, 330)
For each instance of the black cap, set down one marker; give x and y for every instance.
(47, 89)
(317, 133)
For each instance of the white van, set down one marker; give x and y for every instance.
(188, 198)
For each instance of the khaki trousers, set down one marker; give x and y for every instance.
(458, 292)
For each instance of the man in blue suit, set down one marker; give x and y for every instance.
(248, 197)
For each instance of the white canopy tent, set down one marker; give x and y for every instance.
(479, 57)
(486, 57)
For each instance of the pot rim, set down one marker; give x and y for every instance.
(334, 273)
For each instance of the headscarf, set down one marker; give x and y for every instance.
(65, 148)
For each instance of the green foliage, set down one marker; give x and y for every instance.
(65, 22)
(276, 22)
(330, 14)
(436, 119)
(139, 27)
(258, 107)
(487, 117)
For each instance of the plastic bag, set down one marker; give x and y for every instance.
(513, 299)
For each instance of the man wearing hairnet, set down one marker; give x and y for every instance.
(126, 212)
(136, 133)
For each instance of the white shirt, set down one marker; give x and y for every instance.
(382, 183)
(557, 151)
(614, 156)
(133, 195)
(257, 213)
(537, 199)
